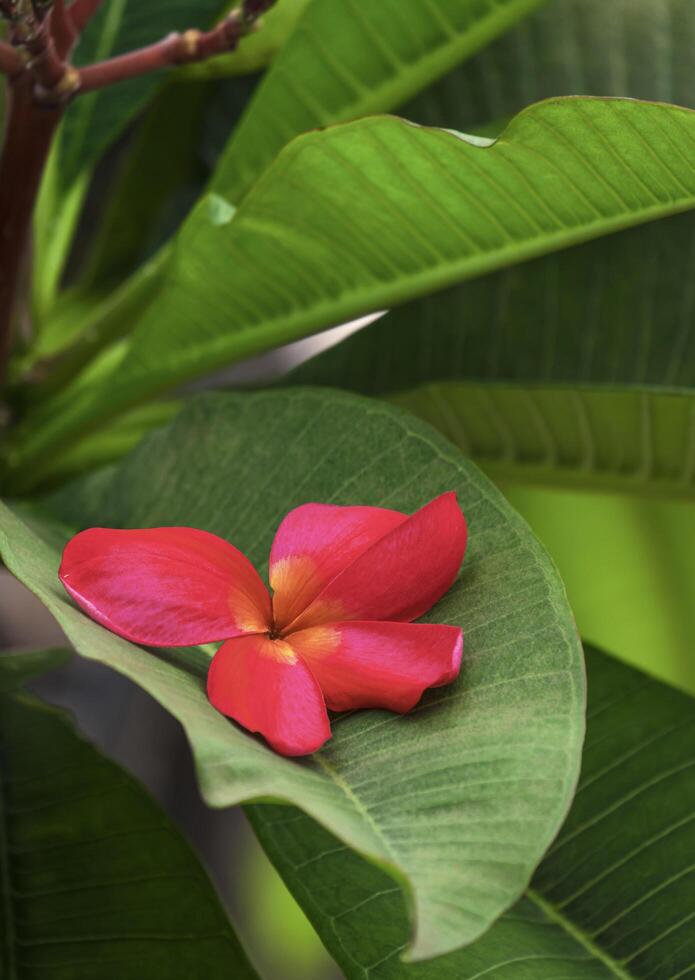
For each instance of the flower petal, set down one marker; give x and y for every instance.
(399, 577)
(165, 586)
(263, 685)
(313, 544)
(379, 665)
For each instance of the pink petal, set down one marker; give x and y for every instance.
(165, 586)
(313, 544)
(263, 685)
(379, 665)
(399, 577)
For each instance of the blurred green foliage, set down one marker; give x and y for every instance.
(627, 563)
(281, 940)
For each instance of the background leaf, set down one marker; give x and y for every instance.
(563, 172)
(459, 799)
(95, 120)
(95, 879)
(17, 667)
(614, 896)
(575, 369)
(627, 48)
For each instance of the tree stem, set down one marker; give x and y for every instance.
(30, 130)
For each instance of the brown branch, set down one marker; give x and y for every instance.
(30, 129)
(63, 29)
(81, 12)
(11, 61)
(176, 49)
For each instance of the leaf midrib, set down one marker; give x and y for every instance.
(578, 935)
(253, 340)
(343, 785)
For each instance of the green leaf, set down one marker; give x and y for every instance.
(94, 121)
(613, 327)
(614, 896)
(350, 59)
(17, 668)
(568, 348)
(496, 755)
(573, 370)
(339, 226)
(97, 119)
(162, 164)
(631, 48)
(115, 439)
(94, 879)
(633, 439)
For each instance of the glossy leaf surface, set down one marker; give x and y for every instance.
(458, 799)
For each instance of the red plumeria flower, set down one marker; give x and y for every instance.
(337, 633)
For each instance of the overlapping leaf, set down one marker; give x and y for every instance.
(553, 342)
(613, 898)
(639, 49)
(346, 60)
(576, 368)
(94, 880)
(377, 212)
(457, 800)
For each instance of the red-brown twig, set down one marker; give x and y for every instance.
(54, 79)
(176, 49)
(64, 32)
(11, 62)
(81, 12)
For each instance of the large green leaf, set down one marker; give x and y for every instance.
(94, 879)
(616, 312)
(377, 212)
(459, 799)
(349, 59)
(614, 897)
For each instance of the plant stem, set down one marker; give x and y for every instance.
(176, 49)
(82, 11)
(10, 61)
(30, 130)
